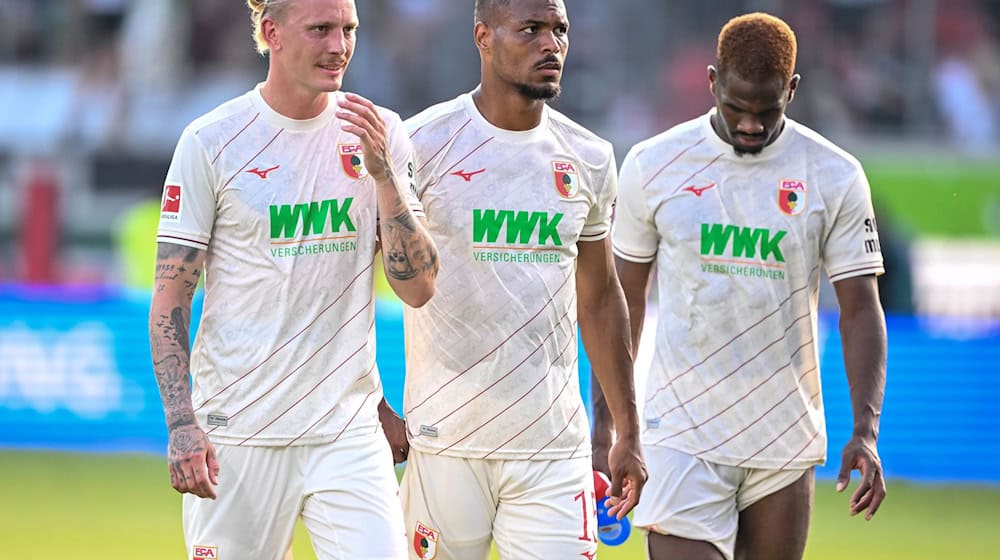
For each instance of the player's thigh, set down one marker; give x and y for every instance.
(775, 523)
(253, 517)
(449, 504)
(352, 507)
(691, 501)
(546, 510)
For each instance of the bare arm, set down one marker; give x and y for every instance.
(394, 428)
(603, 321)
(408, 252)
(863, 336)
(634, 278)
(190, 455)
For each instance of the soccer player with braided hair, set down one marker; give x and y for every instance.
(740, 210)
(284, 196)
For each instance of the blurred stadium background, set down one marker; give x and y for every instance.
(96, 92)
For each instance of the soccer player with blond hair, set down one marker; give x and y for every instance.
(283, 196)
(739, 210)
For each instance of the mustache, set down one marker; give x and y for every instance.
(550, 59)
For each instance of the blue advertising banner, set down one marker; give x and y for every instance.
(75, 374)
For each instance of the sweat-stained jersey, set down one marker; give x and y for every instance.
(738, 243)
(285, 352)
(491, 360)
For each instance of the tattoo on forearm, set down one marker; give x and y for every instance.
(172, 251)
(405, 220)
(398, 263)
(180, 320)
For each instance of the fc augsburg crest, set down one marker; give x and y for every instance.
(352, 160)
(792, 196)
(567, 179)
(425, 541)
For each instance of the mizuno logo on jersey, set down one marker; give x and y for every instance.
(741, 242)
(262, 173)
(520, 227)
(698, 190)
(313, 218)
(468, 176)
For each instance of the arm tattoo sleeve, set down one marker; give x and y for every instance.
(407, 253)
(169, 330)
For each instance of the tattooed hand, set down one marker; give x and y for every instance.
(191, 457)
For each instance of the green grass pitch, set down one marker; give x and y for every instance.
(106, 507)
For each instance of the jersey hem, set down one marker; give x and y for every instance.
(769, 463)
(860, 270)
(593, 236)
(181, 239)
(480, 454)
(631, 257)
(290, 440)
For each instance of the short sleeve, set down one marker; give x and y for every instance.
(633, 236)
(599, 219)
(187, 211)
(852, 244)
(403, 160)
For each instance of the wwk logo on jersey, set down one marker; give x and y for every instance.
(205, 553)
(352, 160)
(425, 541)
(741, 242)
(792, 196)
(171, 209)
(521, 226)
(313, 218)
(567, 179)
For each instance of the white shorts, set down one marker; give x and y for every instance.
(346, 493)
(694, 499)
(539, 510)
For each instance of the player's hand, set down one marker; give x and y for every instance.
(191, 458)
(364, 121)
(394, 428)
(861, 454)
(628, 476)
(599, 457)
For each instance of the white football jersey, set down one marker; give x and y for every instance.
(738, 243)
(491, 360)
(285, 352)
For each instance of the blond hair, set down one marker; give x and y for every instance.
(259, 9)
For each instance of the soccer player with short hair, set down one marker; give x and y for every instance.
(282, 196)
(739, 209)
(518, 199)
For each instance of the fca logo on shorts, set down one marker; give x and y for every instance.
(205, 553)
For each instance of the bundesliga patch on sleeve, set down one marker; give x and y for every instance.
(171, 209)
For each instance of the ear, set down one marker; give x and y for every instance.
(483, 36)
(792, 84)
(269, 29)
(713, 77)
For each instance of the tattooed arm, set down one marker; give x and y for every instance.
(190, 455)
(408, 252)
